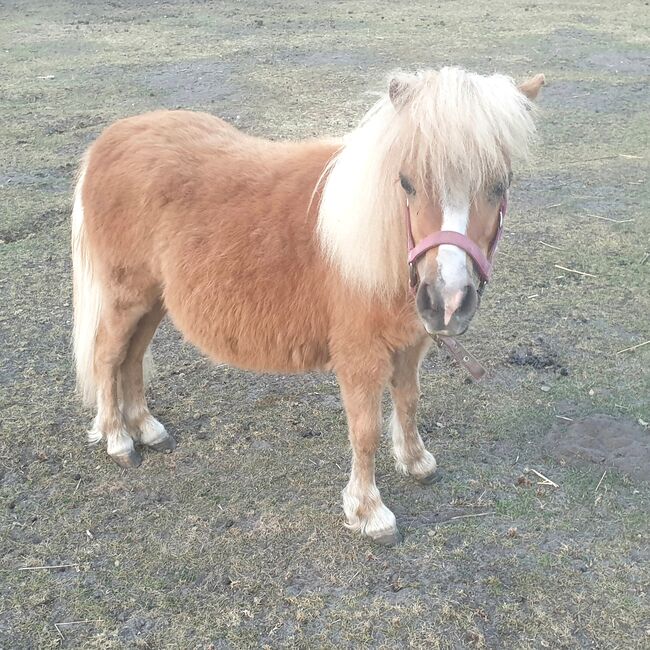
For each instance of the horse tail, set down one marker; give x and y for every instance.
(87, 299)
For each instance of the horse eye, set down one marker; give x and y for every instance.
(498, 190)
(406, 186)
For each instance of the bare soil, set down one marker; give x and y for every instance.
(608, 442)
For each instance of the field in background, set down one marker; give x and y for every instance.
(236, 540)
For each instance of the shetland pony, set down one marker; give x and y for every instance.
(291, 256)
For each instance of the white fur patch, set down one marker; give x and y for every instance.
(423, 466)
(452, 261)
(151, 431)
(95, 434)
(119, 443)
(376, 521)
(411, 459)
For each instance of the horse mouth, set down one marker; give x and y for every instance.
(445, 332)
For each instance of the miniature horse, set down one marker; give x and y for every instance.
(291, 256)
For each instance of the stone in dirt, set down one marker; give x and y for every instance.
(603, 440)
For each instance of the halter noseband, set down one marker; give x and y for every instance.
(450, 237)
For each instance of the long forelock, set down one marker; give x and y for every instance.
(465, 129)
(455, 131)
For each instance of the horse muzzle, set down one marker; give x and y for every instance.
(445, 311)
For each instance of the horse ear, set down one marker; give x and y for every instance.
(531, 87)
(398, 88)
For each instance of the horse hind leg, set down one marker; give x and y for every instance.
(114, 332)
(141, 424)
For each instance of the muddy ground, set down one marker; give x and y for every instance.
(236, 540)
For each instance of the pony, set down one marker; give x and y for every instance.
(293, 256)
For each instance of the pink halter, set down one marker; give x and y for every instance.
(435, 239)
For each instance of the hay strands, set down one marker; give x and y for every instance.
(545, 479)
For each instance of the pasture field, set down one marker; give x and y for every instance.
(236, 540)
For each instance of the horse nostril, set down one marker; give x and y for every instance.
(469, 301)
(423, 298)
(429, 300)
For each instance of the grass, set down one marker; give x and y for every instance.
(236, 540)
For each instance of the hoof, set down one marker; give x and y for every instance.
(166, 445)
(434, 477)
(388, 538)
(129, 460)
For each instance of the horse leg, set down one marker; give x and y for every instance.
(140, 423)
(411, 456)
(111, 344)
(362, 504)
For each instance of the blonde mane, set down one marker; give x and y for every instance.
(454, 130)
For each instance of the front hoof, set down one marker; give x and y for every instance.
(429, 479)
(129, 460)
(381, 527)
(389, 538)
(167, 445)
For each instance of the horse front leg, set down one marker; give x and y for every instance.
(364, 510)
(411, 456)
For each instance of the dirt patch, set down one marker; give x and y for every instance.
(15, 232)
(331, 58)
(537, 355)
(574, 47)
(46, 180)
(580, 192)
(603, 440)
